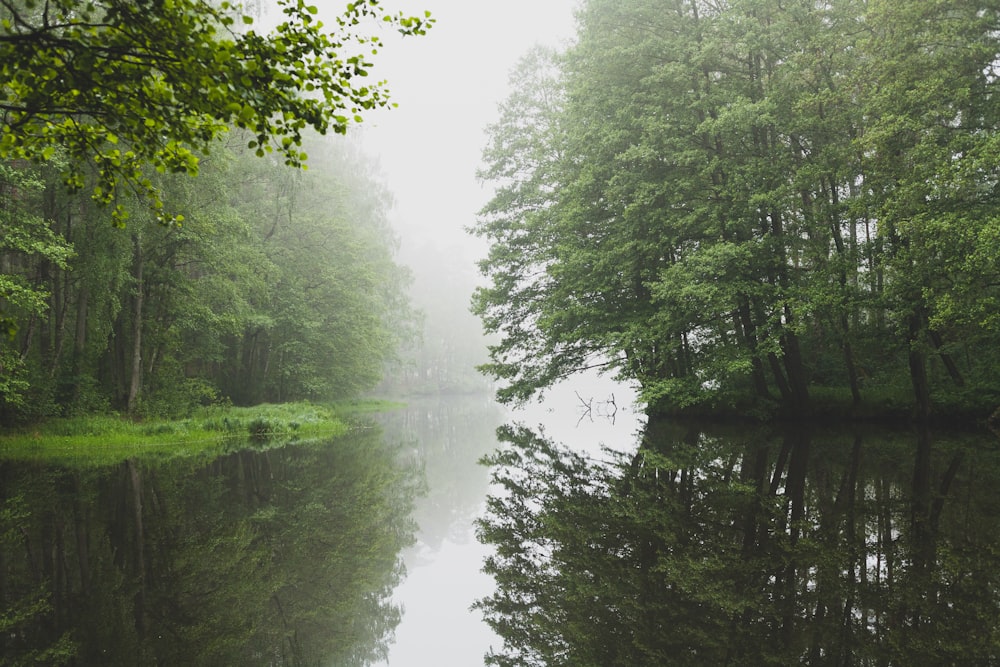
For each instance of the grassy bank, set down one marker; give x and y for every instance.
(102, 439)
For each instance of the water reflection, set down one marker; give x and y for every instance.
(713, 547)
(448, 436)
(279, 557)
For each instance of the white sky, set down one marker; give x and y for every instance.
(448, 84)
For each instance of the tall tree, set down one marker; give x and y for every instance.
(30, 250)
(523, 159)
(123, 86)
(930, 141)
(748, 201)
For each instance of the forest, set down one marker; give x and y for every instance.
(279, 285)
(756, 207)
(128, 285)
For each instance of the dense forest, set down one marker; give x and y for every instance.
(127, 285)
(757, 206)
(278, 285)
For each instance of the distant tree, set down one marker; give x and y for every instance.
(127, 84)
(281, 284)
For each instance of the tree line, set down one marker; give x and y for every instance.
(758, 206)
(253, 282)
(278, 285)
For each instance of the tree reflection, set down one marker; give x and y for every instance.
(279, 557)
(707, 547)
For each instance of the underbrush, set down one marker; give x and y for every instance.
(109, 436)
(955, 407)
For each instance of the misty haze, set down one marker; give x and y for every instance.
(447, 333)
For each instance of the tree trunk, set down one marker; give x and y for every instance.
(79, 339)
(779, 378)
(918, 367)
(745, 320)
(949, 361)
(59, 308)
(135, 379)
(45, 319)
(794, 366)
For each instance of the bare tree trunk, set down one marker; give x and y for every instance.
(60, 305)
(80, 338)
(745, 321)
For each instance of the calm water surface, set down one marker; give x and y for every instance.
(677, 544)
(712, 545)
(444, 568)
(267, 555)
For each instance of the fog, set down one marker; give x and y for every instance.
(447, 85)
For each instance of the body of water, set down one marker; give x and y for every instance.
(608, 541)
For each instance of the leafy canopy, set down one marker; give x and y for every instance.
(126, 84)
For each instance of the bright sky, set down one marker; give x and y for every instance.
(448, 85)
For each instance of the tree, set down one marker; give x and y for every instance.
(28, 247)
(931, 150)
(280, 285)
(523, 157)
(746, 203)
(332, 311)
(125, 85)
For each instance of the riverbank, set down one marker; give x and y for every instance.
(100, 438)
(964, 408)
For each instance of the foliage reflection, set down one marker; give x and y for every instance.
(279, 557)
(746, 548)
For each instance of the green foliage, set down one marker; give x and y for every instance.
(95, 440)
(735, 204)
(330, 311)
(281, 285)
(26, 242)
(261, 429)
(122, 85)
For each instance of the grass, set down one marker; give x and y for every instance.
(105, 439)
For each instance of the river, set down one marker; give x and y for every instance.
(444, 568)
(677, 544)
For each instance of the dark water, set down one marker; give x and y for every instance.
(287, 556)
(749, 546)
(684, 545)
